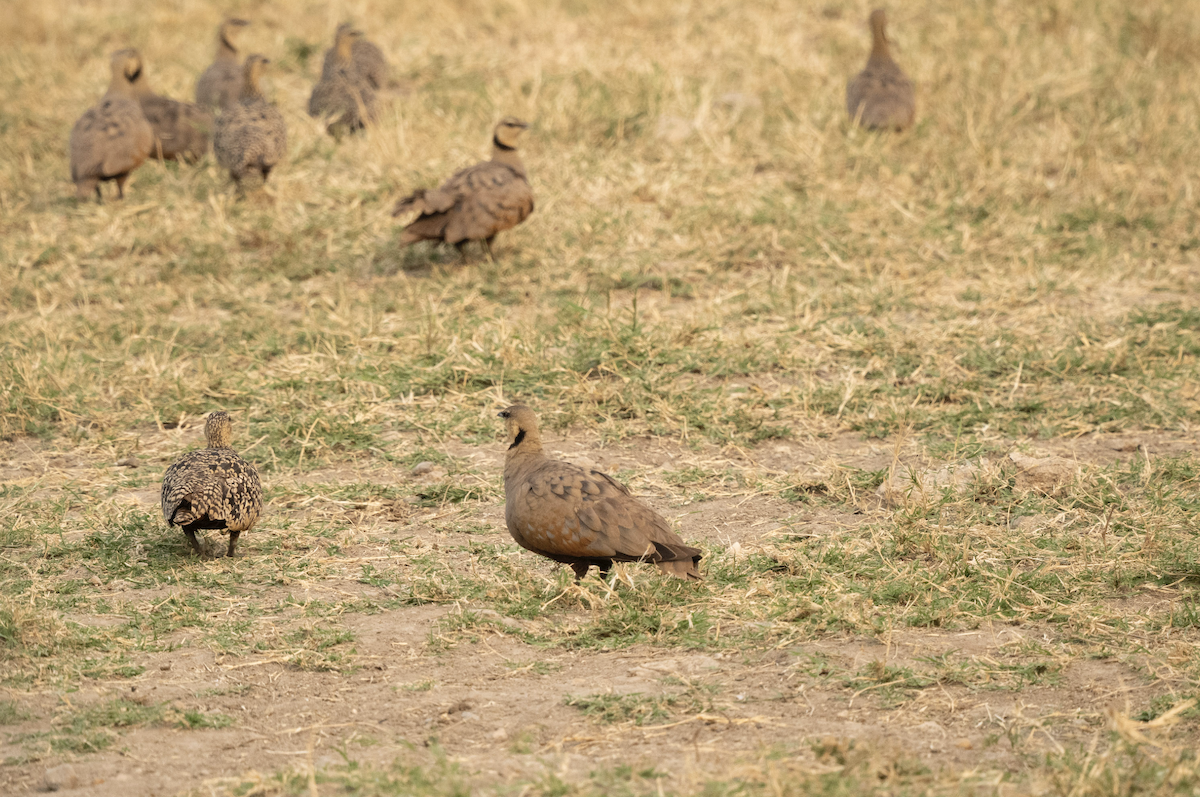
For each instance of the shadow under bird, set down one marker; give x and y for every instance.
(181, 129)
(113, 137)
(212, 488)
(881, 96)
(220, 86)
(581, 517)
(477, 202)
(343, 93)
(251, 136)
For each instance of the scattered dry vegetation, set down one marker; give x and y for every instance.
(813, 349)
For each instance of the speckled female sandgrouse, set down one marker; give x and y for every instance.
(212, 488)
(581, 517)
(343, 93)
(251, 136)
(181, 129)
(477, 202)
(221, 84)
(881, 96)
(112, 138)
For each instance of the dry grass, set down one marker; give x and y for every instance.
(716, 262)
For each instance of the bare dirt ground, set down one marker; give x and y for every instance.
(498, 706)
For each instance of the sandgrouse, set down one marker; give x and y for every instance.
(212, 488)
(221, 84)
(477, 202)
(581, 517)
(181, 129)
(343, 94)
(251, 136)
(368, 59)
(881, 96)
(112, 138)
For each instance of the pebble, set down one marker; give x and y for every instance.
(422, 468)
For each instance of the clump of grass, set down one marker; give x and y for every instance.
(97, 727)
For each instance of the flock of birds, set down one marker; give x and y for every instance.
(576, 516)
(249, 135)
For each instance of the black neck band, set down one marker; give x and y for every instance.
(501, 146)
(517, 441)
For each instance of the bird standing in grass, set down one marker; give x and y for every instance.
(881, 96)
(181, 129)
(212, 488)
(221, 84)
(477, 202)
(581, 517)
(368, 59)
(343, 93)
(251, 136)
(112, 138)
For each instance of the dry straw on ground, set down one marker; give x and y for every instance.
(726, 295)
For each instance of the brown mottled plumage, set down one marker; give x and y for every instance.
(881, 96)
(181, 129)
(112, 138)
(368, 59)
(212, 488)
(251, 136)
(221, 84)
(581, 517)
(477, 202)
(343, 93)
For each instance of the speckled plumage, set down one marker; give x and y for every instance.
(477, 202)
(881, 96)
(181, 129)
(343, 93)
(250, 137)
(112, 138)
(212, 488)
(220, 86)
(581, 517)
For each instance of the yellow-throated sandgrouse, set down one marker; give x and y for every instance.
(581, 517)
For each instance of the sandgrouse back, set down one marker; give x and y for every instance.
(212, 488)
(581, 517)
(181, 129)
(881, 96)
(251, 136)
(477, 202)
(112, 138)
(220, 86)
(343, 93)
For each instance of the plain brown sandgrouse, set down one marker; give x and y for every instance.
(181, 129)
(477, 202)
(581, 517)
(881, 96)
(221, 84)
(212, 488)
(112, 138)
(369, 60)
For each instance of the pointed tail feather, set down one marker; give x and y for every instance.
(685, 569)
